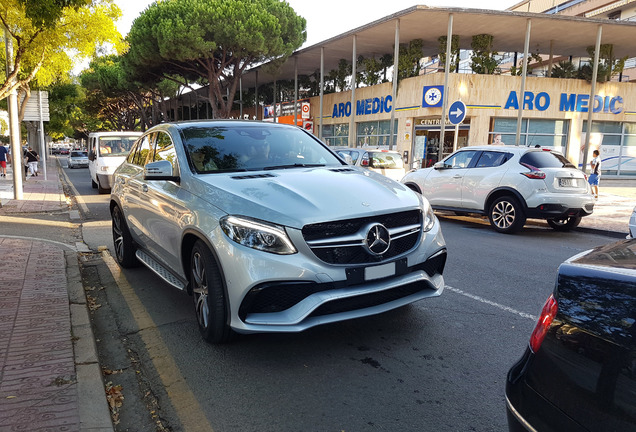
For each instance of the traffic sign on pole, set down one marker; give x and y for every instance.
(457, 112)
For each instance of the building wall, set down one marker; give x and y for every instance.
(486, 97)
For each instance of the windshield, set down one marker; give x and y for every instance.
(116, 145)
(253, 147)
(78, 154)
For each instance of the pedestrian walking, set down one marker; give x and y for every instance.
(595, 177)
(32, 159)
(4, 158)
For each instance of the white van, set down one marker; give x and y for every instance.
(106, 151)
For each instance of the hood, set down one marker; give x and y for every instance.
(299, 196)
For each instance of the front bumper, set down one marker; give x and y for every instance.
(105, 180)
(291, 293)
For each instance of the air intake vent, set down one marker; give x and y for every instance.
(252, 176)
(342, 170)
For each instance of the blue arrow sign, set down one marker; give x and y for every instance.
(457, 112)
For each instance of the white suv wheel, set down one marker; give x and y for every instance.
(506, 215)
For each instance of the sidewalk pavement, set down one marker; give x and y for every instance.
(50, 377)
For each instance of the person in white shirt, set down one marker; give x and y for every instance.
(595, 176)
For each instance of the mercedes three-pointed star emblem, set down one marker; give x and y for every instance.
(378, 240)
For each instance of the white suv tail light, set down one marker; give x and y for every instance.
(535, 173)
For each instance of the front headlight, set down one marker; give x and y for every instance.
(257, 235)
(429, 216)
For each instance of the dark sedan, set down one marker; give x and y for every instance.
(579, 370)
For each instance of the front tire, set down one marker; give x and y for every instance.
(565, 223)
(506, 215)
(210, 304)
(122, 240)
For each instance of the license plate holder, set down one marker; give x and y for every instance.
(379, 272)
(567, 182)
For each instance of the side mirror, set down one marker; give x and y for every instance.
(91, 156)
(439, 165)
(160, 170)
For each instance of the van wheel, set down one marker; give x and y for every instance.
(506, 215)
(564, 224)
(93, 184)
(210, 304)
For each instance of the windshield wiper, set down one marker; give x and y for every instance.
(296, 165)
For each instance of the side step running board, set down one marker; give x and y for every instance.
(160, 270)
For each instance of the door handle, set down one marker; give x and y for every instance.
(457, 176)
(144, 188)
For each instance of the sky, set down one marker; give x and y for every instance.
(329, 18)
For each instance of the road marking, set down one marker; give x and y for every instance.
(190, 414)
(491, 303)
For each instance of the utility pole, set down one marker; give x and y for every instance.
(14, 124)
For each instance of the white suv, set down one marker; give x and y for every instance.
(508, 184)
(242, 215)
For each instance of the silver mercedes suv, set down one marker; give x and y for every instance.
(269, 230)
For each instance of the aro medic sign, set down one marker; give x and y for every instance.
(571, 102)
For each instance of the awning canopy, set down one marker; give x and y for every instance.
(569, 36)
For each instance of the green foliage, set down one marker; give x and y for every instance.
(409, 60)
(213, 41)
(48, 36)
(564, 69)
(454, 61)
(66, 102)
(45, 13)
(483, 58)
(608, 64)
(337, 78)
(371, 73)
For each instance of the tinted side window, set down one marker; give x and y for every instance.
(460, 159)
(492, 159)
(545, 159)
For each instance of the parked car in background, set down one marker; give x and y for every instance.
(77, 158)
(632, 224)
(64, 151)
(386, 162)
(242, 216)
(106, 151)
(578, 372)
(509, 184)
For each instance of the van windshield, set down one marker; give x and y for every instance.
(116, 145)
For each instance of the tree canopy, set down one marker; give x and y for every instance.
(49, 36)
(212, 42)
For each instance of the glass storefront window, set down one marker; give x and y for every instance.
(376, 133)
(617, 142)
(336, 134)
(534, 132)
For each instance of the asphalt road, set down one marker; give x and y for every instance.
(438, 364)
